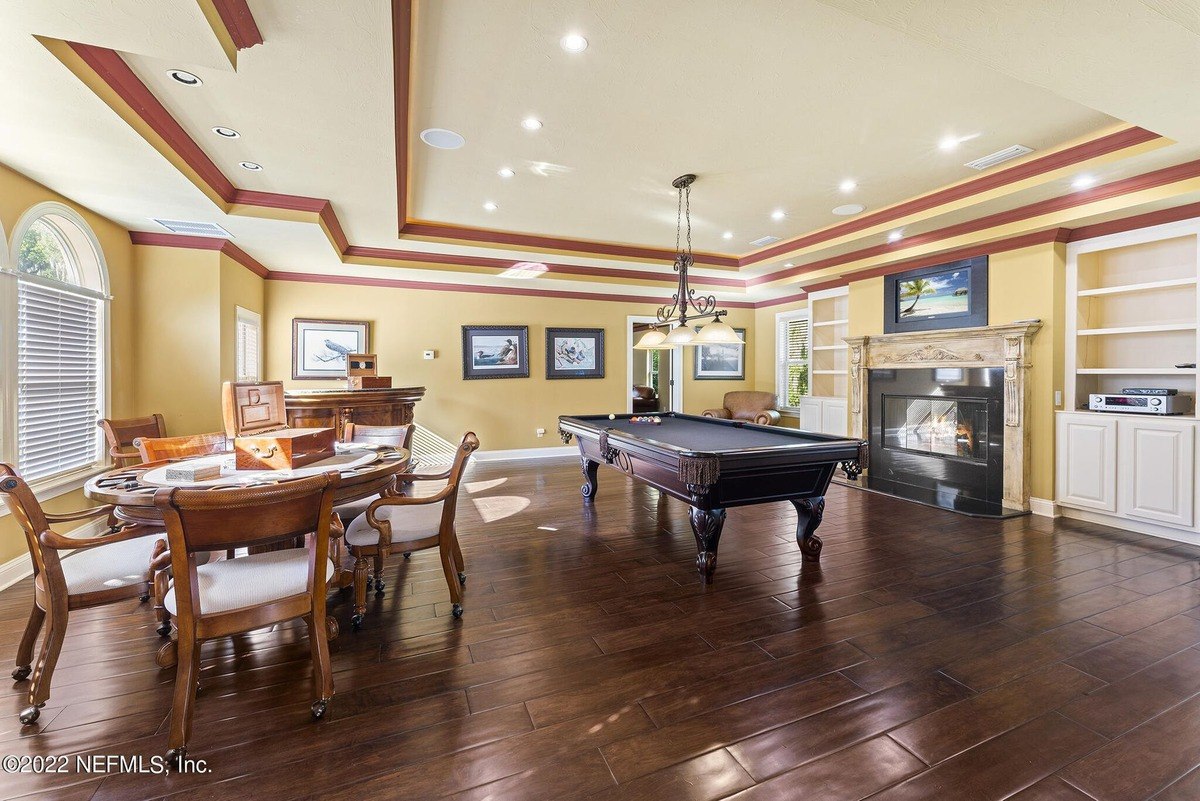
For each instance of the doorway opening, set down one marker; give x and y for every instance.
(655, 376)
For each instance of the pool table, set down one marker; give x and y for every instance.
(713, 464)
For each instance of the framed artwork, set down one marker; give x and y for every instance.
(320, 347)
(953, 295)
(574, 353)
(495, 351)
(721, 362)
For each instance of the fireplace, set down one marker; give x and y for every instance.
(946, 414)
(937, 436)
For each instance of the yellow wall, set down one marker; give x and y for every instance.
(17, 195)
(866, 307)
(503, 412)
(239, 287)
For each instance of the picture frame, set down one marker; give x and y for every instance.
(495, 351)
(320, 347)
(721, 362)
(574, 353)
(951, 295)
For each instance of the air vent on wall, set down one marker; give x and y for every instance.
(194, 228)
(763, 241)
(999, 157)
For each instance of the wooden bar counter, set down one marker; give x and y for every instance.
(333, 408)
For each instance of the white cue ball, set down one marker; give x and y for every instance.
(612, 417)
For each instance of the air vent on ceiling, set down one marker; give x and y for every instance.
(999, 157)
(763, 241)
(193, 228)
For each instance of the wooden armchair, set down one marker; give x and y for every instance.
(753, 407)
(154, 449)
(229, 596)
(101, 570)
(120, 435)
(394, 436)
(407, 524)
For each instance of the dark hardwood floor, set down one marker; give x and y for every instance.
(928, 656)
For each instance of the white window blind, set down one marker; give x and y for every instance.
(793, 360)
(249, 335)
(58, 380)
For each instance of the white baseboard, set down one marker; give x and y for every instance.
(1137, 526)
(526, 453)
(1043, 507)
(21, 567)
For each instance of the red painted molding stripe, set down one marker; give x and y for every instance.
(1067, 157)
(1125, 186)
(399, 283)
(389, 254)
(1146, 220)
(243, 30)
(201, 243)
(402, 24)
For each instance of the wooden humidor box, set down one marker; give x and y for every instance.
(369, 382)
(256, 421)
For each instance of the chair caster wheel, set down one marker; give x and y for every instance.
(457, 611)
(164, 630)
(318, 709)
(408, 554)
(379, 587)
(22, 673)
(30, 715)
(356, 622)
(462, 579)
(145, 598)
(176, 756)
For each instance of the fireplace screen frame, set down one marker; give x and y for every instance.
(979, 443)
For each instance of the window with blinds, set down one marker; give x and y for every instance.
(793, 350)
(59, 380)
(249, 342)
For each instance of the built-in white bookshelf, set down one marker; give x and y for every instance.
(829, 313)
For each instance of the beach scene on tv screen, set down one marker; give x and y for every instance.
(938, 295)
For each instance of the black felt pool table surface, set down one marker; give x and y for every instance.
(708, 434)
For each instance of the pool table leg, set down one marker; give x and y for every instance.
(707, 525)
(589, 487)
(808, 516)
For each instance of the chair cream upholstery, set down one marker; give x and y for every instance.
(107, 567)
(250, 580)
(412, 523)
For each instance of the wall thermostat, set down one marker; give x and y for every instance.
(430, 354)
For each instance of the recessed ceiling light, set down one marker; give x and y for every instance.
(848, 209)
(1084, 181)
(442, 139)
(896, 236)
(531, 123)
(228, 133)
(184, 77)
(505, 172)
(250, 165)
(573, 43)
(789, 264)
(778, 215)
(490, 206)
(727, 235)
(848, 185)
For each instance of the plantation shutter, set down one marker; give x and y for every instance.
(58, 380)
(248, 334)
(795, 348)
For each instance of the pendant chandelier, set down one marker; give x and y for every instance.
(686, 307)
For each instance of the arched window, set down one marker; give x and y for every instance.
(59, 342)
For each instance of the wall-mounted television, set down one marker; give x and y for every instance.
(952, 295)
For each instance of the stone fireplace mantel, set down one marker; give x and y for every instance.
(1004, 346)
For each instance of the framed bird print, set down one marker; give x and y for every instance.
(574, 353)
(495, 351)
(320, 347)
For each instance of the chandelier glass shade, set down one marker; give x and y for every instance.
(686, 305)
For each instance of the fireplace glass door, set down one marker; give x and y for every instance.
(936, 426)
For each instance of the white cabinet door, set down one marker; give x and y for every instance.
(810, 414)
(1087, 461)
(833, 417)
(1156, 470)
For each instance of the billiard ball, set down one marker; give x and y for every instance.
(612, 417)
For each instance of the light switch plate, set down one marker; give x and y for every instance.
(430, 354)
